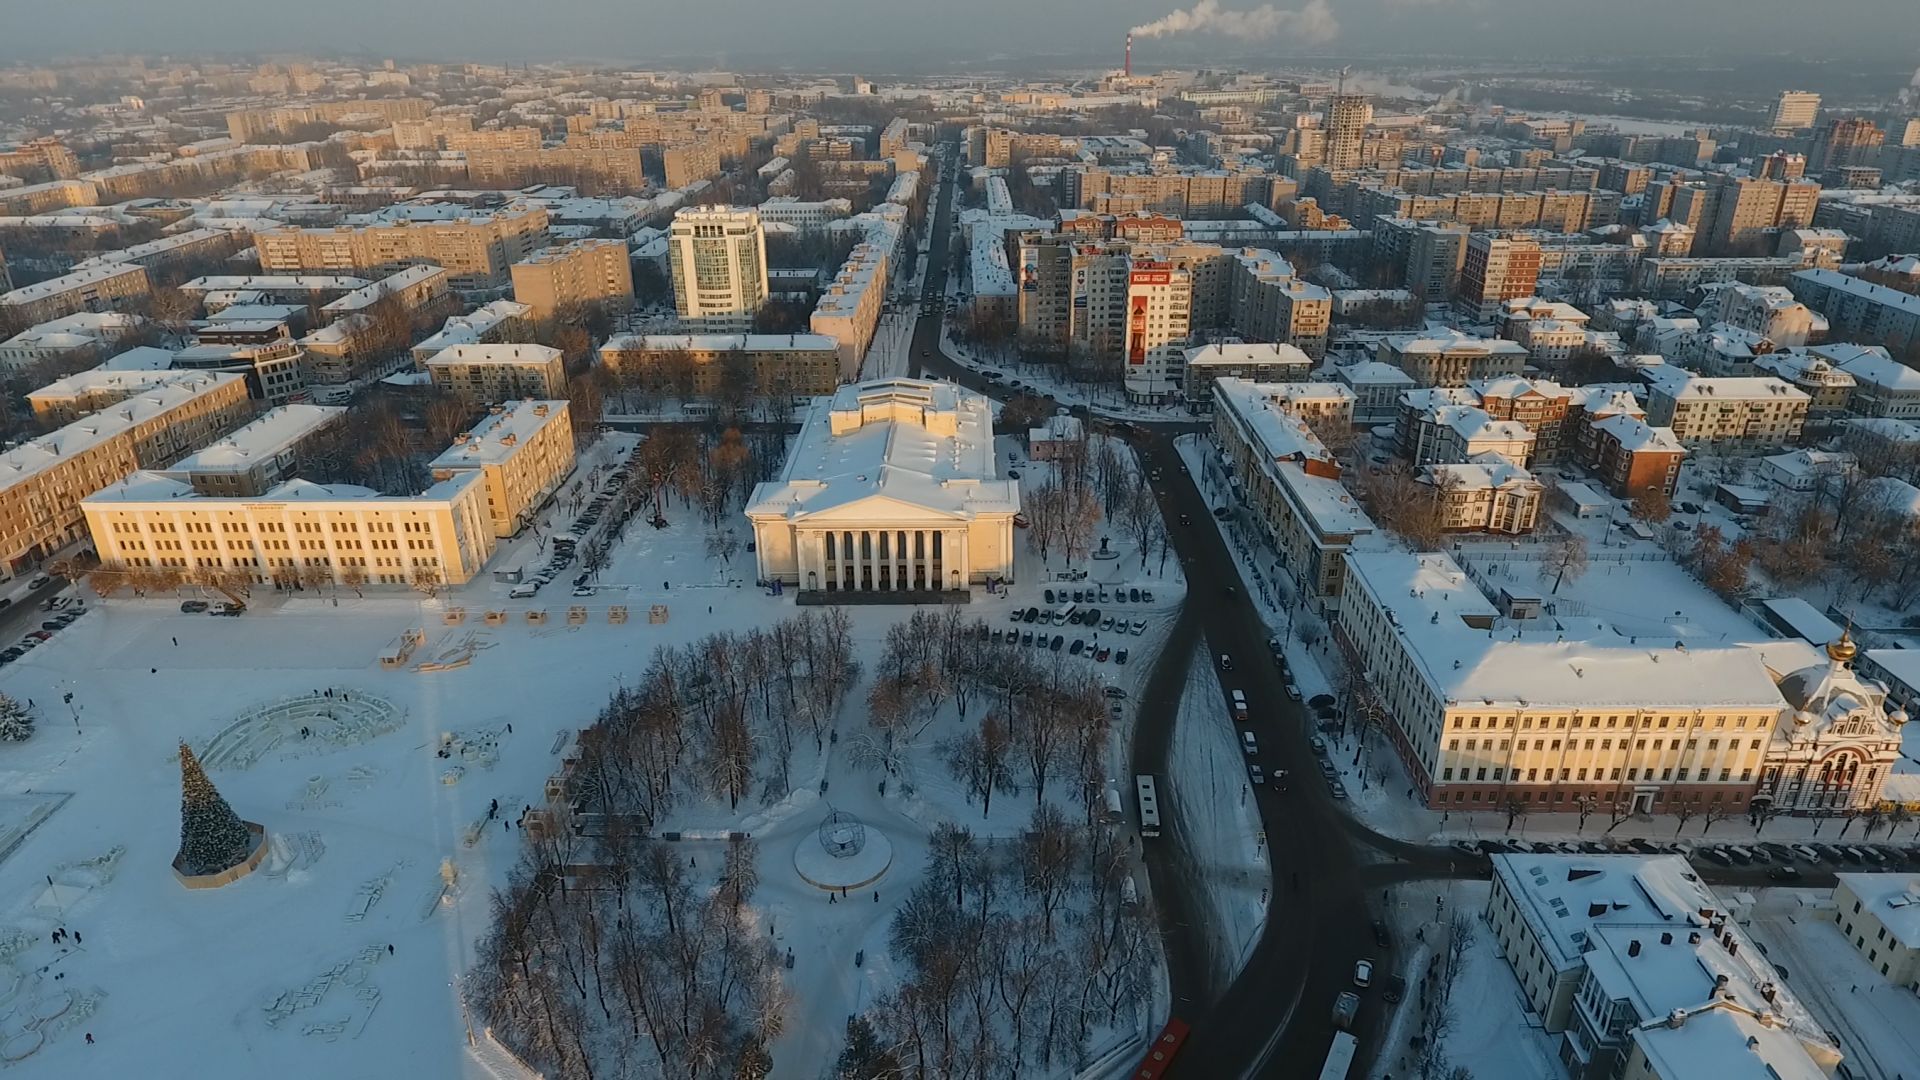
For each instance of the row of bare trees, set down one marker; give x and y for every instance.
(1012, 956)
(719, 717)
(635, 963)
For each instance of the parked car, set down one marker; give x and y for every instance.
(1059, 642)
(1345, 1008)
(1226, 662)
(1318, 744)
(1079, 645)
(192, 607)
(1249, 743)
(1101, 656)
(38, 582)
(1032, 615)
(1394, 989)
(1026, 637)
(1716, 855)
(1139, 627)
(1381, 936)
(1259, 778)
(1133, 595)
(1783, 873)
(1049, 595)
(1363, 974)
(1338, 790)
(1120, 657)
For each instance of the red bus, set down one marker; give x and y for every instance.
(1161, 1053)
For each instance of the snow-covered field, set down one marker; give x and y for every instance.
(1219, 824)
(339, 957)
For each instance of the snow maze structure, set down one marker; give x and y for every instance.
(310, 723)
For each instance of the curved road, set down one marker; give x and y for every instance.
(1274, 1018)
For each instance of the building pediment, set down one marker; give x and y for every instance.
(875, 510)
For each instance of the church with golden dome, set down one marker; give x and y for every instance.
(1838, 743)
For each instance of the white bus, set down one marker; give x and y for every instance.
(1339, 1057)
(1149, 805)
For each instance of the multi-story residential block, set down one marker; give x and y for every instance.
(806, 216)
(1347, 118)
(584, 273)
(774, 365)
(1485, 718)
(690, 162)
(1644, 973)
(477, 252)
(275, 371)
(1880, 916)
(1451, 358)
(1861, 311)
(1830, 387)
(1673, 278)
(1493, 496)
(595, 170)
(1536, 404)
(1272, 363)
(892, 486)
(719, 259)
(99, 289)
(1291, 484)
(248, 125)
(1845, 141)
(496, 373)
(193, 245)
(1271, 304)
(1769, 311)
(418, 291)
(1496, 269)
(352, 534)
(1551, 332)
(1882, 386)
(489, 324)
(69, 341)
(1445, 434)
(1159, 314)
(1631, 457)
(1794, 111)
(1429, 254)
(523, 449)
(1742, 413)
(255, 458)
(849, 311)
(43, 480)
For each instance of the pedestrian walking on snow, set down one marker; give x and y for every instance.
(389, 948)
(89, 1038)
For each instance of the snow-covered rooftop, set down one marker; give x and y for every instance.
(1248, 353)
(510, 353)
(722, 342)
(926, 447)
(1685, 386)
(273, 433)
(501, 434)
(1449, 629)
(1635, 434)
(1295, 457)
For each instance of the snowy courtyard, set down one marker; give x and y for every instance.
(392, 796)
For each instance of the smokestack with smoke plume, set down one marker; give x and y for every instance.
(1129, 67)
(1313, 24)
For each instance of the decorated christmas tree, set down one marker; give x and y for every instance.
(212, 836)
(16, 723)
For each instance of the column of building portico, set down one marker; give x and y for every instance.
(963, 565)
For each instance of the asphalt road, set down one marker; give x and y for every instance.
(1274, 1018)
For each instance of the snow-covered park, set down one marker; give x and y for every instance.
(392, 797)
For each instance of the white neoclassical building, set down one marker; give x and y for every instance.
(891, 487)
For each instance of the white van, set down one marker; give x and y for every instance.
(523, 590)
(1240, 706)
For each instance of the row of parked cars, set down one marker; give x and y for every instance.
(1088, 617)
(1099, 595)
(1782, 857)
(48, 628)
(566, 544)
(1056, 642)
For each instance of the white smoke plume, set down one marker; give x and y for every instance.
(1313, 24)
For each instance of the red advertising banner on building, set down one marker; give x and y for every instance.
(1137, 331)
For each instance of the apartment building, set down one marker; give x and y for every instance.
(1536, 404)
(489, 324)
(1861, 311)
(1882, 386)
(774, 365)
(1760, 412)
(1347, 118)
(594, 170)
(354, 535)
(101, 288)
(1770, 311)
(1482, 718)
(249, 125)
(849, 311)
(1644, 973)
(1430, 254)
(1830, 387)
(477, 252)
(43, 480)
(193, 245)
(524, 451)
(1290, 483)
(255, 458)
(1492, 496)
(1264, 363)
(1271, 304)
(69, 341)
(1377, 388)
(1451, 358)
(276, 371)
(419, 291)
(496, 373)
(584, 273)
(1794, 111)
(1496, 269)
(1444, 434)
(719, 260)
(690, 162)
(1159, 312)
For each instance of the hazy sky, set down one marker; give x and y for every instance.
(808, 29)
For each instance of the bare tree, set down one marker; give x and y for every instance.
(1566, 558)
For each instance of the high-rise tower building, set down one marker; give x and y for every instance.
(1347, 118)
(719, 258)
